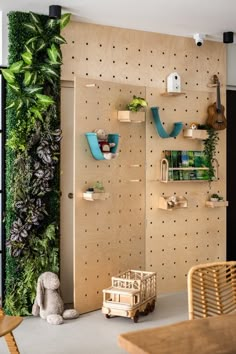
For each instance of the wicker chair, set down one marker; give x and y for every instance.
(212, 289)
(7, 325)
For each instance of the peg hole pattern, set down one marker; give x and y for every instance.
(148, 64)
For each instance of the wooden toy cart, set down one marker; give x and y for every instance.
(132, 293)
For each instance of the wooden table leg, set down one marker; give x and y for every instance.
(11, 343)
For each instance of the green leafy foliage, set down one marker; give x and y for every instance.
(136, 104)
(210, 145)
(8, 75)
(32, 155)
(42, 255)
(65, 19)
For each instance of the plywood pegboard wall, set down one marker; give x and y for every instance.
(174, 240)
(109, 234)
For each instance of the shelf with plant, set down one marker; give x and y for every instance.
(216, 201)
(32, 155)
(135, 111)
(96, 192)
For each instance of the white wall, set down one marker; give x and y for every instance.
(231, 66)
(231, 51)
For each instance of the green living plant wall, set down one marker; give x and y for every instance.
(32, 155)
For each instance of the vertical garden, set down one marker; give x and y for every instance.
(32, 155)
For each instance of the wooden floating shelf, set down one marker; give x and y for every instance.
(186, 181)
(131, 117)
(200, 134)
(218, 204)
(165, 170)
(173, 93)
(167, 203)
(92, 196)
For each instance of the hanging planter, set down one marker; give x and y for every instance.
(210, 144)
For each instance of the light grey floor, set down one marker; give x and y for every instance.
(92, 333)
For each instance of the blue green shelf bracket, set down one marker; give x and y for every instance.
(159, 127)
(95, 148)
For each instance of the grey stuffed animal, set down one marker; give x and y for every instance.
(48, 303)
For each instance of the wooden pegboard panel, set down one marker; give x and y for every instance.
(110, 234)
(174, 241)
(195, 234)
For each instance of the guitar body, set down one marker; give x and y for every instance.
(216, 118)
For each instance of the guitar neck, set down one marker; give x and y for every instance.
(218, 103)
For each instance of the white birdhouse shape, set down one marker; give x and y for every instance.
(173, 83)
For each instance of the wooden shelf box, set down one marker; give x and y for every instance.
(218, 204)
(92, 196)
(171, 203)
(200, 134)
(131, 117)
(172, 93)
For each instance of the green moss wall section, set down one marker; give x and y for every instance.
(32, 156)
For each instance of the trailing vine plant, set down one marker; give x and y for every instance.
(32, 154)
(210, 151)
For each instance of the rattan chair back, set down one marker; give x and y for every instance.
(212, 289)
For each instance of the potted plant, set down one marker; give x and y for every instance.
(137, 104)
(135, 111)
(215, 197)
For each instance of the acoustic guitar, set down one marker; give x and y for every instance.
(216, 118)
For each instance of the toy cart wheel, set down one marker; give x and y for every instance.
(147, 310)
(136, 316)
(152, 307)
(107, 316)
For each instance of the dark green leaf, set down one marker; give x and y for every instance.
(27, 57)
(54, 55)
(30, 26)
(52, 23)
(65, 19)
(39, 28)
(29, 49)
(41, 45)
(47, 69)
(8, 75)
(12, 104)
(14, 87)
(19, 104)
(28, 78)
(33, 89)
(34, 17)
(17, 66)
(58, 39)
(32, 39)
(44, 99)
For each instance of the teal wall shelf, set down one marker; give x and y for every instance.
(95, 148)
(159, 127)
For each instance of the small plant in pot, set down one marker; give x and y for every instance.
(137, 104)
(215, 197)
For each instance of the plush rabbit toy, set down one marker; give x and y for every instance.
(48, 303)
